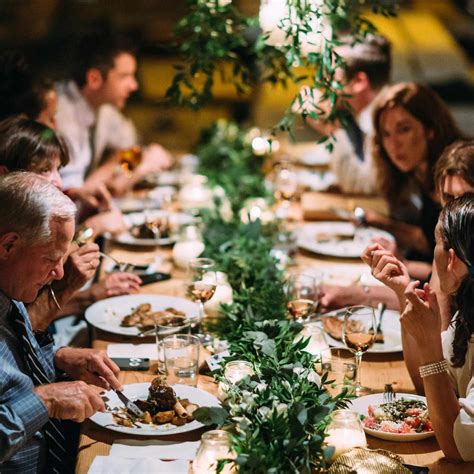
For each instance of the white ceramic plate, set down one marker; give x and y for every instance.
(137, 391)
(137, 218)
(361, 406)
(391, 331)
(108, 314)
(324, 238)
(132, 204)
(344, 274)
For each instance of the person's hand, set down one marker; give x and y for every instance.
(154, 158)
(74, 401)
(80, 267)
(110, 221)
(333, 296)
(421, 317)
(116, 284)
(388, 244)
(95, 196)
(90, 365)
(386, 268)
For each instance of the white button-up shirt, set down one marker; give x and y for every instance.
(76, 120)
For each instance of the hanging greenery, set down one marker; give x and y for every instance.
(215, 39)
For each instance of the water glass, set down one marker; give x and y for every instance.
(167, 326)
(340, 367)
(181, 358)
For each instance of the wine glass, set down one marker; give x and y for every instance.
(286, 184)
(202, 283)
(302, 294)
(130, 158)
(359, 336)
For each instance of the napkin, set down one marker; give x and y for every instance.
(129, 448)
(109, 464)
(133, 350)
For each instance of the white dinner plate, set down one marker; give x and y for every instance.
(176, 220)
(139, 391)
(344, 274)
(132, 204)
(391, 331)
(108, 314)
(361, 406)
(324, 238)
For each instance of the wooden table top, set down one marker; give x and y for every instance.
(377, 370)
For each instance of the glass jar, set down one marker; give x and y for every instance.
(234, 371)
(214, 445)
(345, 432)
(188, 246)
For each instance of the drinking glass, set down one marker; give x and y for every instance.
(215, 445)
(302, 295)
(167, 326)
(202, 283)
(181, 358)
(130, 158)
(345, 432)
(340, 368)
(286, 185)
(358, 335)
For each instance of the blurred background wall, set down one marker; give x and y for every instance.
(433, 42)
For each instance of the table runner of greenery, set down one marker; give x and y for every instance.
(278, 416)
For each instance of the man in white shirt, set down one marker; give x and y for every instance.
(89, 117)
(367, 72)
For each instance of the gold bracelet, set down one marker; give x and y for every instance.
(53, 295)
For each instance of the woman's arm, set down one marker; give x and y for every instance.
(422, 320)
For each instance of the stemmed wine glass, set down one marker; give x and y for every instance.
(359, 336)
(201, 286)
(302, 291)
(286, 184)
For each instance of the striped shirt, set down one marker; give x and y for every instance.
(22, 413)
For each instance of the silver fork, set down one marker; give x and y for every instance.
(389, 395)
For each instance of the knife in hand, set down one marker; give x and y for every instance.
(129, 404)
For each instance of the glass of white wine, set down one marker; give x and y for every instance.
(286, 186)
(302, 296)
(359, 336)
(201, 286)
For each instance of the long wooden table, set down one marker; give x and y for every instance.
(377, 370)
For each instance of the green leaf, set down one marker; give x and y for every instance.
(211, 415)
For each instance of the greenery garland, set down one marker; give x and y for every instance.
(278, 416)
(216, 39)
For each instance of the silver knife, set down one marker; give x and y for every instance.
(129, 404)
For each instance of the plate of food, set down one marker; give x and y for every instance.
(332, 324)
(168, 410)
(152, 228)
(129, 315)
(337, 239)
(404, 419)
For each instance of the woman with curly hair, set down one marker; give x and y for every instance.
(412, 128)
(445, 360)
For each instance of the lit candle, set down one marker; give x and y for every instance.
(234, 372)
(214, 445)
(345, 432)
(185, 251)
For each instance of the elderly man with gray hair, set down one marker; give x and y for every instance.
(36, 228)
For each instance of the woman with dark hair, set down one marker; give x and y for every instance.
(412, 128)
(27, 145)
(445, 360)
